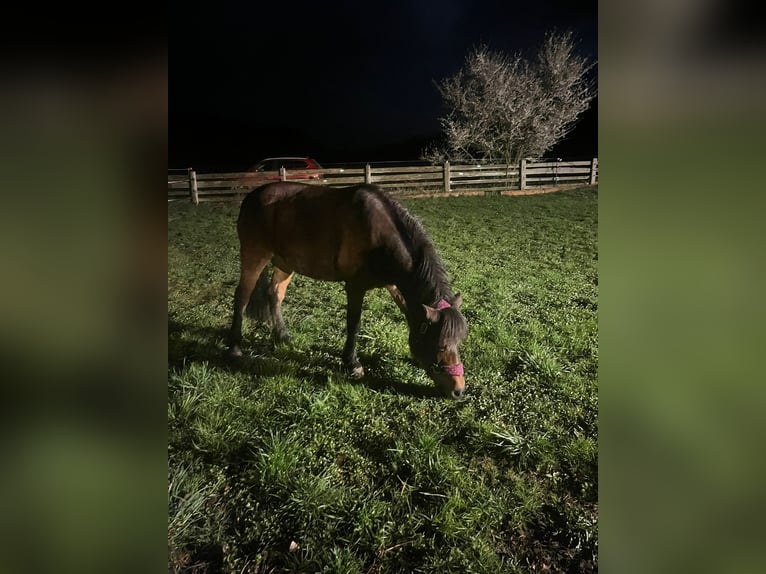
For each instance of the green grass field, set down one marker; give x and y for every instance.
(283, 464)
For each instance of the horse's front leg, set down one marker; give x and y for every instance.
(398, 298)
(354, 297)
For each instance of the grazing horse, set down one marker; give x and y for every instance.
(363, 237)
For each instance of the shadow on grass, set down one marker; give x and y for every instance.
(189, 344)
(374, 379)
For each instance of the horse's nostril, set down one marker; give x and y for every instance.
(457, 394)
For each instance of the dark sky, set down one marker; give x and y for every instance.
(340, 81)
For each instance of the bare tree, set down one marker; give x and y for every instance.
(504, 108)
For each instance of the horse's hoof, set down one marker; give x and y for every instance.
(357, 372)
(282, 339)
(235, 352)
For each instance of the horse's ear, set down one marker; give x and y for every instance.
(457, 302)
(432, 314)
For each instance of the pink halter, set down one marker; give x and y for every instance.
(455, 370)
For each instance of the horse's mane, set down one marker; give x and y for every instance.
(430, 276)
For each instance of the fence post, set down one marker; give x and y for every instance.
(367, 173)
(523, 173)
(193, 186)
(446, 176)
(593, 166)
(282, 173)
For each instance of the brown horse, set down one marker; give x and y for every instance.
(363, 237)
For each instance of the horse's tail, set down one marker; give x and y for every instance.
(260, 307)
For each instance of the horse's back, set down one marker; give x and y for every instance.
(318, 231)
(292, 196)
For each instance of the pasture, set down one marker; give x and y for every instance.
(282, 463)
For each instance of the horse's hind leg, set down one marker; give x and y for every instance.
(279, 282)
(253, 261)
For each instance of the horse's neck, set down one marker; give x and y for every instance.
(418, 283)
(416, 294)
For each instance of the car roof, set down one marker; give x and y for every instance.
(286, 157)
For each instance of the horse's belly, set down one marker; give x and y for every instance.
(313, 267)
(324, 266)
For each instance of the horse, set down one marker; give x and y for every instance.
(363, 237)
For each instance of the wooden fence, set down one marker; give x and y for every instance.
(526, 177)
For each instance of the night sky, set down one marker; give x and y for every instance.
(339, 81)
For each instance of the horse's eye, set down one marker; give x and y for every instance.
(442, 348)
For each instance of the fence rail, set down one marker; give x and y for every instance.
(526, 177)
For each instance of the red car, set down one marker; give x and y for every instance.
(291, 164)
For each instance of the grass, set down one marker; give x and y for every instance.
(283, 464)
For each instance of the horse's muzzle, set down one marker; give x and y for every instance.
(450, 379)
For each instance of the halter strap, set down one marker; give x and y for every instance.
(441, 304)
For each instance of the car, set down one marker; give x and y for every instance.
(296, 168)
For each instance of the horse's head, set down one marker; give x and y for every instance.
(434, 342)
